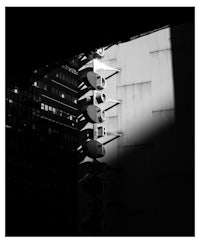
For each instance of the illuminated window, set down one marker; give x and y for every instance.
(46, 107)
(62, 95)
(54, 110)
(71, 117)
(16, 91)
(42, 106)
(35, 84)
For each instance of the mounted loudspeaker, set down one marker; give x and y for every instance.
(96, 81)
(92, 79)
(94, 149)
(94, 114)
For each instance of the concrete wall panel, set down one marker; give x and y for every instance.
(145, 88)
(155, 79)
(111, 53)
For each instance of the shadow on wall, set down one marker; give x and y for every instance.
(153, 194)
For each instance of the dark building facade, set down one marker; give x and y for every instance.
(41, 141)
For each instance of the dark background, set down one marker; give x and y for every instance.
(39, 36)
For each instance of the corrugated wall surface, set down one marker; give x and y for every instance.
(145, 88)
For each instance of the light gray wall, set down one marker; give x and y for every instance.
(145, 88)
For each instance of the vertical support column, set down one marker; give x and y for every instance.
(95, 136)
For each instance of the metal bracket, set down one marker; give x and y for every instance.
(117, 102)
(112, 75)
(118, 135)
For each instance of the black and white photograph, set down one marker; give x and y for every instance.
(99, 121)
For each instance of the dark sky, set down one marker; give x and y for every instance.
(37, 36)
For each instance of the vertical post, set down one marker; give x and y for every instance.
(94, 125)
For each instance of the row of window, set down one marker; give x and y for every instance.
(67, 78)
(18, 113)
(64, 95)
(22, 94)
(55, 91)
(58, 112)
(66, 137)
